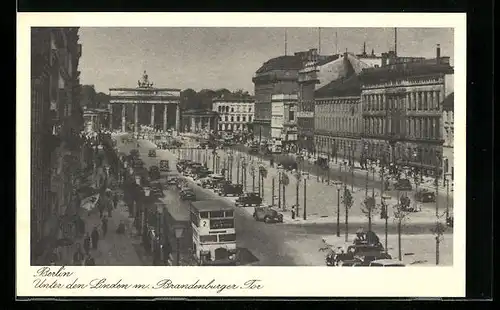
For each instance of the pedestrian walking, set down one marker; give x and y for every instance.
(104, 226)
(89, 261)
(95, 238)
(109, 204)
(78, 256)
(101, 204)
(86, 243)
(115, 200)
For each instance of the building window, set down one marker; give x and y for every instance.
(250, 118)
(225, 118)
(250, 110)
(238, 118)
(244, 118)
(291, 116)
(232, 119)
(232, 109)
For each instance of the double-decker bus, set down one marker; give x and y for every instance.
(214, 235)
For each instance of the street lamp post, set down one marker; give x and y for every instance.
(159, 210)
(252, 172)
(305, 195)
(244, 173)
(297, 177)
(447, 180)
(238, 169)
(338, 185)
(279, 186)
(385, 215)
(179, 231)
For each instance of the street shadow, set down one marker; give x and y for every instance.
(245, 257)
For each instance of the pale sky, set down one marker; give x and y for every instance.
(227, 57)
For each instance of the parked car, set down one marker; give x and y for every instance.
(424, 196)
(403, 185)
(249, 200)
(322, 162)
(267, 215)
(156, 189)
(154, 173)
(164, 165)
(254, 149)
(152, 153)
(288, 165)
(173, 181)
(229, 189)
(386, 263)
(188, 194)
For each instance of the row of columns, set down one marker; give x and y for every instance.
(136, 117)
(197, 123)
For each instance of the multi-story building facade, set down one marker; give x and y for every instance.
(56, 120)
(317, 69)
(448, 134)
(338, 120)
(276, 76)
(402, 111)
(284, 121)
(235, 114)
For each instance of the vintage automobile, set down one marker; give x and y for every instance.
(322, 162)
(288, 165)
(254, 149)
(424, 196)
(152, 153)
(267, 215)
(229, 189)
(188, 194)
(156, 189)
(154, 173)
(164, 165)
(386, 263)
(202, 181)
(403, 185)
(173, 181)
(248, 200)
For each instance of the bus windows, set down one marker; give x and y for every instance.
(229, 214)
(216, 214)
(222, 224)
(227, 237)
(208, 238)
(204, 215)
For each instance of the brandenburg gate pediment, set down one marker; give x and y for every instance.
(145, 95)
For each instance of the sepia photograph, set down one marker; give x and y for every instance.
(241, 146)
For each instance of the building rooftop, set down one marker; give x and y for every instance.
(194, 112)
(449, 102)
(407, 67)
(281, 63)
(349, 86)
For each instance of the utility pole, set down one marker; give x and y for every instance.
(305, 197)
(285, 47)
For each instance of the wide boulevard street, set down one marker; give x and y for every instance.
(271, 244)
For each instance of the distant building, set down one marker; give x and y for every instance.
(276, 76)
(284, 121)
(235, 114)
(96, 119)
(402, 111)
(448, 134)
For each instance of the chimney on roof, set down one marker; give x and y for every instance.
(438, 52)
(384, 59)
(364, 48)
(373, 52)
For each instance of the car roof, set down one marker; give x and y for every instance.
(387, 262)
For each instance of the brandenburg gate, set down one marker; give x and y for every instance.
(145, 98)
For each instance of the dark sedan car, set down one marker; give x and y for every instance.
(425, 196)
(403, 185)
(248, 200)
(267, 215)
(188, 195)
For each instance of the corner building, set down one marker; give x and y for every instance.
(402, 112)
(56, 121)
(277, 76)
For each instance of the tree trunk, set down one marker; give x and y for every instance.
(346, 223)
